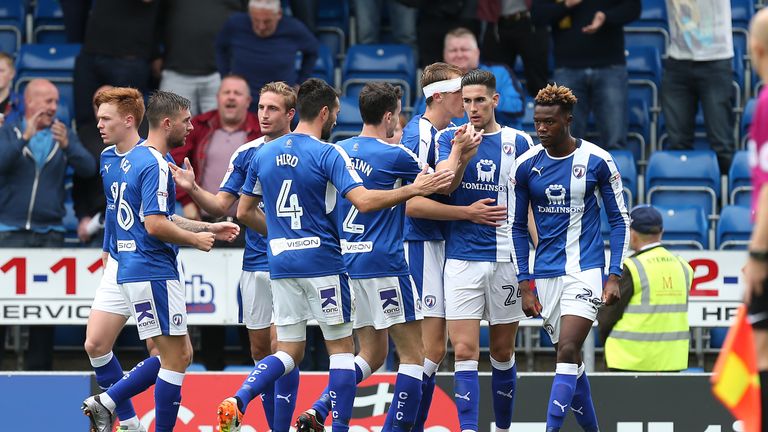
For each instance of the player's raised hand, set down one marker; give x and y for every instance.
(611, 292)
(204, 241)
(225, 231)
(184, 178)
(482, 212)
(436, 182)
(531, 305)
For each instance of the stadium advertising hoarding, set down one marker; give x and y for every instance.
(56, 286)
(624, 403)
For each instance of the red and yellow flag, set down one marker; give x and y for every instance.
(735, 381)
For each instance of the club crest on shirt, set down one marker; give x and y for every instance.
(507, 149)
(579, 171)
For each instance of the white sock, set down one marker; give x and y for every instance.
(131, 423)
(107, 402)
(364, 367)
(430, 367)
(101, 361)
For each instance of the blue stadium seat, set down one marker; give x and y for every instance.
(734, 227)
(349, 122)
(679, 178)
(644, 71)
(393, 63)
(684, 227)
(739, 180)
(746, 120)
(12, 19)
(323, 68)
(717, 337)
(640, 126)
(654, 14)
(625, 162)
(48, 22)
(657, 37)
(332, 29)
(741, 13)
(54, 62)
(70, 223)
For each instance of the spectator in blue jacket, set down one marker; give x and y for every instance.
(261, 46)
(34, 156)
(35, 151)
(460, 49)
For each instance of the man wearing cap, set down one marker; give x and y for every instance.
(647, 330)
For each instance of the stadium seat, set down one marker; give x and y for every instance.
(332, 29)
(393, 63)
(349, 122)
(746, 120)
(717, 337)
(734, 227)
(323, 68)
(625, 162)
(640, 127)
(70, 223)
(679, 178)
(684, 227)
(12, 19)
(654, 14)
(741, 13)
(48, 22)
(644, 71)
(739, 180)
(54, 62)
(657, 37)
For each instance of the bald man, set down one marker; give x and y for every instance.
(756, 270)
(34, 156)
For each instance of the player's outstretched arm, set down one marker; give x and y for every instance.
(215, 205)
(249, 213)
(224, 231)
(481, 212)
(366, 200)
(158, 226)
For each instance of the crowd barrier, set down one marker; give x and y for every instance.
(56, 286)
(624, 402)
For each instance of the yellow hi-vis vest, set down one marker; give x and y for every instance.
(653, 334)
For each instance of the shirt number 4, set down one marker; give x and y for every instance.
(288, 205)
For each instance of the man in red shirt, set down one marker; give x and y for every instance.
(216, 136)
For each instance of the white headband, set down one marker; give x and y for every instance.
(445, 86)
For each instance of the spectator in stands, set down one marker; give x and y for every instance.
(88, 192)
(460, 49)
(438, 18)
(402, 21)
(647, 329)
(262, 45)
(511, 33)
(189, 59)
(75, 15)
(122, 38)
(306, 12)
(215, 137)
(698, 69)
(34, 156)
(8, 100)
(756, 270)
(588, 39)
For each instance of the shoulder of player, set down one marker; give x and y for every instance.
(600, 154)
(446, 133)
(109, 149)
(530, 154)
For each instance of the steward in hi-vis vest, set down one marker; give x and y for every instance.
(648, 329)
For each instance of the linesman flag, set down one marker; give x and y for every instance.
(735, 381)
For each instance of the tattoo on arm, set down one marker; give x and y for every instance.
(190, 225)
